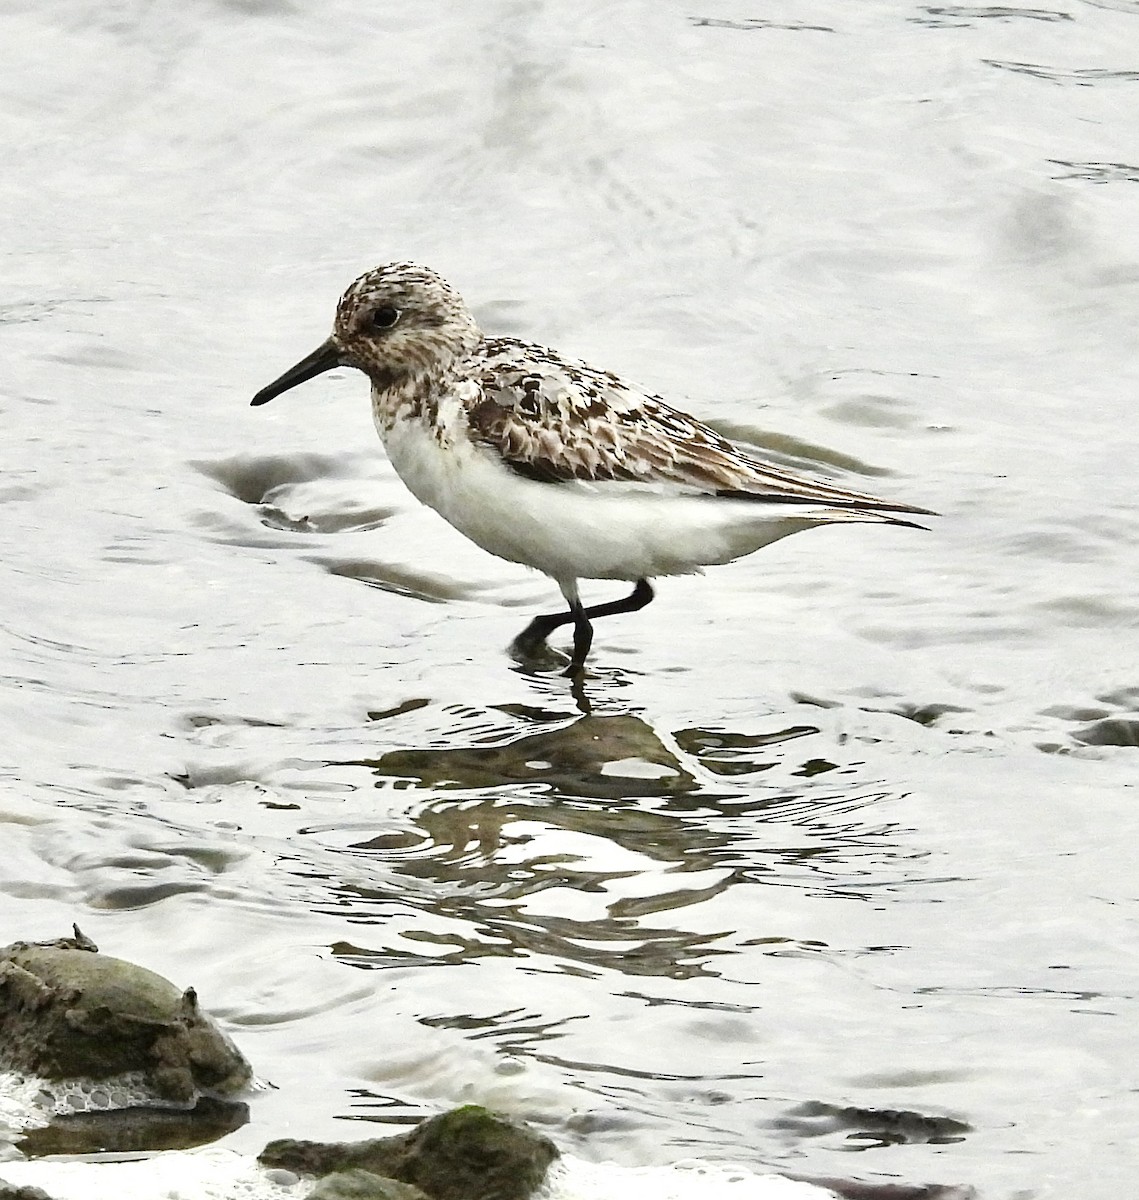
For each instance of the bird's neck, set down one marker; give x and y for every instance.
(408, 396)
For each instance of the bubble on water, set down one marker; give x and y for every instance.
(27, 1102)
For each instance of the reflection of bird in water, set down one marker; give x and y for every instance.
(610, 757)
(549, 462)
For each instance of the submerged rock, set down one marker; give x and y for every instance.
(68, 1012)
(362, 1185)
(468, 1153)
(873, 1126)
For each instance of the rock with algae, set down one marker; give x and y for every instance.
(68, 1012)
(468, 1153)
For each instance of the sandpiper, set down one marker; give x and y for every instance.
(546, 461)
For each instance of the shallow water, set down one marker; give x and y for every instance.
(852, 821)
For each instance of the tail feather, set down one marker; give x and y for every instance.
(834, 498)
(828, 515)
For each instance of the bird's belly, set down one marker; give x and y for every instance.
(581, 530)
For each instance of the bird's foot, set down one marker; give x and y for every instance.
(536, 655)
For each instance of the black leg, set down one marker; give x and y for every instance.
(582, 639)
(633, 602)
(542, 626)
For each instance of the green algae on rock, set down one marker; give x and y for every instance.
(468, 1153)
(68, 1012)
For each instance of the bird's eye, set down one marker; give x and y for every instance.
(385, 318)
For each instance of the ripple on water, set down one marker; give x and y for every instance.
(300, 493)
(1066, 76)
(1096, 172)
(962, 16)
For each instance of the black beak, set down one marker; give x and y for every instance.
(325, 357)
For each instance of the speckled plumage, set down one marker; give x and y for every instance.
(556, 418)
(544, 460)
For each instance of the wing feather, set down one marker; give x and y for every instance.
(558, 420)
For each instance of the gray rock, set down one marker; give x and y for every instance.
(468, 1153)
(69, 1012)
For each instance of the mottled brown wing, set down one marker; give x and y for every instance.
(557, 420)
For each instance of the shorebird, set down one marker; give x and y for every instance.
(544, 460)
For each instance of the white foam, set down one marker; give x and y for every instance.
(173, 1175)
(573, 1179)
(22, 1103)
(225, 1175)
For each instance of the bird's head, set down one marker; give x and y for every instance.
(394, 322)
